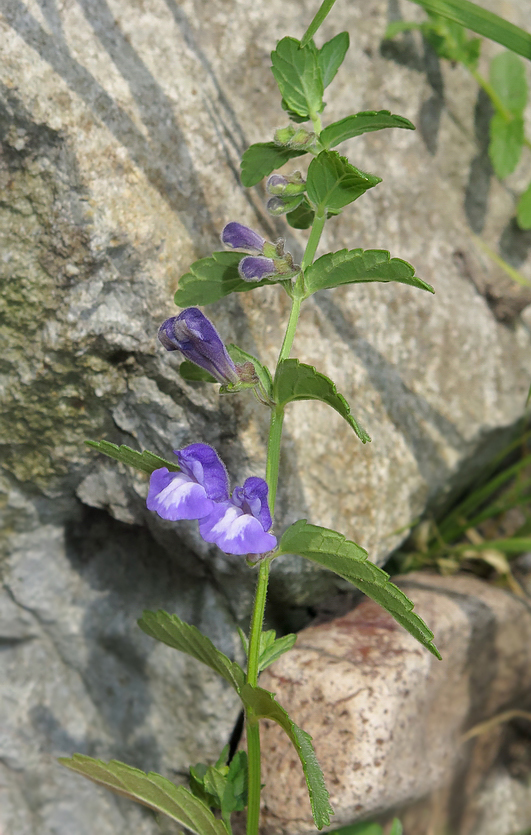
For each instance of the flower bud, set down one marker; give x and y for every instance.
(286, 186)
(238, 236)
(280, 205)
(196, 338)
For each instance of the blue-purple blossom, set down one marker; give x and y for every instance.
(238, 525)
(270, 259)
(238, 236)
(192, 492)
(256, 267)
(241, 525)
(196, 338)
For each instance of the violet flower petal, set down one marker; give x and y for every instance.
(175, 496)
(252, 498)
(202, 463)
(256, 267)
(238, 236)
(196, 338)
(235, 532)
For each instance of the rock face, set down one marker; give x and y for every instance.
(387, 719)
(121, 126)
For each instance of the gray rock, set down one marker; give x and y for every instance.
(121, 130)
(387, 719)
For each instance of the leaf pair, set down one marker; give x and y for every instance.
(303, 72)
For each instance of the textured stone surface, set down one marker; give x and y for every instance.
(121, 126)
(386, 717)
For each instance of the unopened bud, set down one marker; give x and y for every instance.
(286, 186)
(280, 205)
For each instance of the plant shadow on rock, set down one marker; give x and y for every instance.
(132, 572)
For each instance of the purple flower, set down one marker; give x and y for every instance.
(240, 526)
(192, 492)
(256, 267)
(238, 236)
(269, 262)
(196, 338)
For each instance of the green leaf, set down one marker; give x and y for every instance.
(333, 182)
(358, 266)
(170, 630)
(145, 461)
(239, 356)
(317, 21)
(275, 649)
(483, 22)
(301, 217)
(331, 56)
(507, 77)
(209, 279)
(331, 550)
(296, 381)
(450, 41)
(512, 545)
(193, 373)
(263, 705)
(259, 160)
(506, 143)
(298, 75)
(396, 827)
(151, 790)
(235, 794)
(359, 123)
(523, 211)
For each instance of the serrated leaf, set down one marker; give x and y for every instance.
(507, 77)
(295, 380)
(260, 159)
(358, 123)
(212, 278)
(333, 182)
(239, 356)
(144, 461)
(331, 56)
(150, 790)
(523, 211)
(291, 113)
(274, 650)
(170, 630)
(483, 22)
(263, 705)
(298, 75)
(193, 373)
(506, 143)
(332, 550)
(358, 266)
(301, 217)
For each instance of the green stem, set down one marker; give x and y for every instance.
(492, 94)
(313, 240)
(272, 468)
(255, 781)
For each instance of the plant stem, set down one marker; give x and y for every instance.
(313, 240)
(272, 468)
(492, 94)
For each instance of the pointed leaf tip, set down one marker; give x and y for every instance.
(332, 550)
